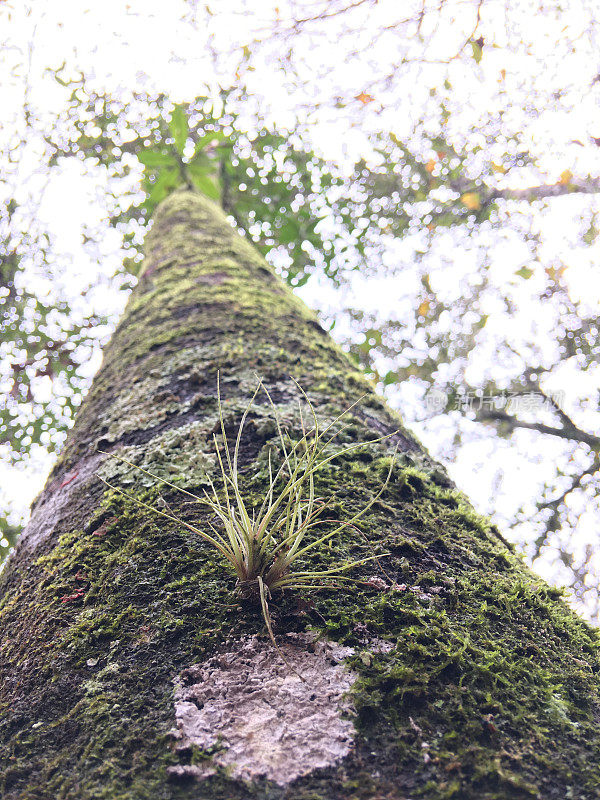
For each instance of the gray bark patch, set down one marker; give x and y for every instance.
(258, 718)
(52, 505)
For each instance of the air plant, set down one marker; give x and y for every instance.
(264, 547)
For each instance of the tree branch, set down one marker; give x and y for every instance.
(572, 433)
(575, 484)
(574, 186)
(555, 504)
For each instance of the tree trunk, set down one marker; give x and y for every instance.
(130, 667)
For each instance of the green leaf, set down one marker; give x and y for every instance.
(203, 182)
(178, 125)
(153, 159)
(288, 232)
(477, 51)
(202, 161)
(166, 181)
(589, 237)
(301, 279)
(524, 272)
(481, 322)
(208, 138)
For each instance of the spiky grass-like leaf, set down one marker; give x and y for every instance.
(263, 547)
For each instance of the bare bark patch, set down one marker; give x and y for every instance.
(54, 502)
(260, 719)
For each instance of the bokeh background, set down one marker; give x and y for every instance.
(424, 174)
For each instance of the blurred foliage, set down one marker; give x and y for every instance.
(451, 345)
(274, 187)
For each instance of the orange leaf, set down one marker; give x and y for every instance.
(565, 177)
(471, 201)
(430, 166)
(364, 98)
(423, 308)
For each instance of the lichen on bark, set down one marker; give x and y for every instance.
(263, 717)
(486, 685)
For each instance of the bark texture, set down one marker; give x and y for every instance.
(464, 675)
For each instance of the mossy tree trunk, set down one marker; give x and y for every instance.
(451, 672)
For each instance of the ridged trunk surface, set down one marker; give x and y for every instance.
(129, 669)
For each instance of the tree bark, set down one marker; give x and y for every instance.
(129, 667)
